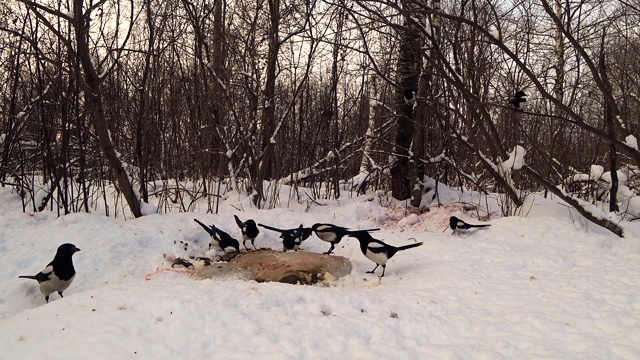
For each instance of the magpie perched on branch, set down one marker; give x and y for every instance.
(58, 274)
(517, 99)
(410, 97)
(333, 233)
(219, 238)
(459, 226)
(249, 231)
(376, 250)
(291, 238)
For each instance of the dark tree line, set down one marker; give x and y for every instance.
(190, 99)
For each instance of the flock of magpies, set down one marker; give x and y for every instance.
(375, 250)
(59, 273)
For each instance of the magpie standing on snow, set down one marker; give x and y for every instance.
(376, 250)
(518, 99)
(332, 233)
(219, 238)
(291, 238)
(58, 274)
(249, 231)
(460, 226)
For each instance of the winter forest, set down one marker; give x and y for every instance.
(186, 100)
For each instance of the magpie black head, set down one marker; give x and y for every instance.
(409, 97)
(453, 222)
(303, 233)
(518, 99)
(66, 249)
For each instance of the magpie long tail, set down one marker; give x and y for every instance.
(405, 247)
(360, 231)
(480, 226)
(238, 221)
(271, 228)
(209, 230)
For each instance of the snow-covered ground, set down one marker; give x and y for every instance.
(542, 286)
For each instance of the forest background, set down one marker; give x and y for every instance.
(187, 100)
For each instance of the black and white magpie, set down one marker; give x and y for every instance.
(410, 97)
(219, 238)
(460, 226)
(58, 274)
(249, 231)
(333, 233)
(291, 238)
(376, 250)
(517, 99)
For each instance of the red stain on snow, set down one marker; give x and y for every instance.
(431, 219)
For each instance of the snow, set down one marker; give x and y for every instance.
(515, 160)
(622, 177)
(596, 172)
(543, 286)
(411, 219)
(494, 33)
(631, 141)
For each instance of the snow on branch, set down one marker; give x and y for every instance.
(318, 167)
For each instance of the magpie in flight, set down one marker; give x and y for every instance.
(459, 226)
(333, 233)
(249, 231)
(517, 100)
(376, 250)
(58, 274)
(219, 238)
(291, 238)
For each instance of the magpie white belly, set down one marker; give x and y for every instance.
(378, 258)
(54, 284)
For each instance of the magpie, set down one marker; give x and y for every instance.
(58, 274)
(332, 233)
(517, 99)
(291, 238)
(376, 250)
(460, 226)
(249, 231)
(410, 97)
(219, 238)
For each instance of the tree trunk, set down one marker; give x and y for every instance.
(94, 102)
(408, 73)
(608, 118)
(263, 164)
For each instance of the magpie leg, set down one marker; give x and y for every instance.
(374, 269)
(47, 298)
(384, 267)
(330, 249)
(60, 292)
(254, 245)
